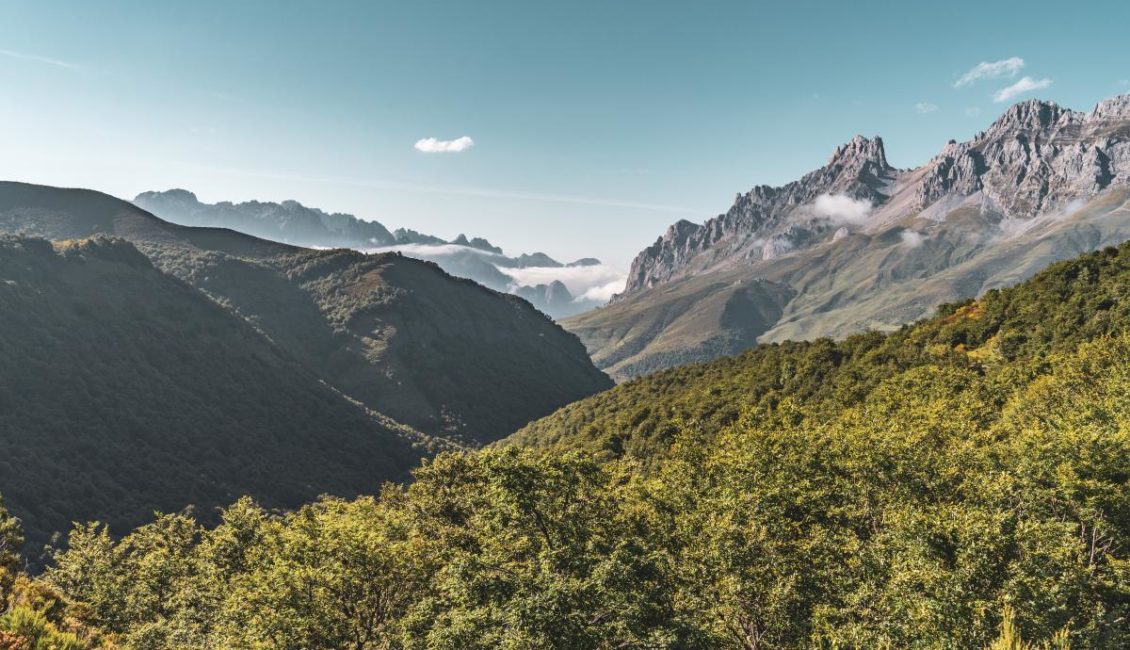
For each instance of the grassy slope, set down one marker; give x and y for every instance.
(862, 281)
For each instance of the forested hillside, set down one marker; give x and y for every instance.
(441, 354)
(1007, 334)
(962, 483)
(126, 390)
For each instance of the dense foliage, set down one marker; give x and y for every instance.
(963, 483)
(1007, 333)
(125, 390)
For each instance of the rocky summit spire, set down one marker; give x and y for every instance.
(860, 151)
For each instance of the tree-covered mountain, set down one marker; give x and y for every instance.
(858, 244)
(291, 222)
(126, 390)
(960, 483)
(1009, 330)
(438, 353)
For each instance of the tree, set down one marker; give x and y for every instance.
(11, 545)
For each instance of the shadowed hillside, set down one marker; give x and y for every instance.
(127, 391)
(441, 354)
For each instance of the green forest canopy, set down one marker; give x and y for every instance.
(960, 483)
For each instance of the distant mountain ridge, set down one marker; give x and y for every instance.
(291, 222)
(441, 354)
(860, 244)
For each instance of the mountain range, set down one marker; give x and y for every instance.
(222, 364)
(858, 244)
(473, 258)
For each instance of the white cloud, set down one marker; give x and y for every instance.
(594, 283)
(911, 239)
(972, 111)
(840, 208)
(1026, 84)
(602, 293)
(427, 251)
(991, 70)
(597, 282)
(925, 107)
(58, 63)
(432, 145)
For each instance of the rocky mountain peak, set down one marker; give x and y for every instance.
(1033, 115)
(1117, 107)
(860, 151)
(1036, 158)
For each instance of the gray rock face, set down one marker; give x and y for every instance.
(1035, 158)
(1038, 157)
(553, 298)
(858, 244)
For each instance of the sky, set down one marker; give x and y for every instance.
(577, 128)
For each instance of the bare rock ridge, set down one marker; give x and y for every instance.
(858, 169)
(1035, 157)
(859, 244)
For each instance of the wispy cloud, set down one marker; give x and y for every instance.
(911, 239)
(432, 145)
(489, 193)
(972, 111)
(991, 70)
(923, 108)
(59, 63)
(1026, 84)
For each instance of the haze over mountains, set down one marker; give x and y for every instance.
(858, 244)
(558, 289)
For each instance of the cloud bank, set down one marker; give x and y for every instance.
(589, 284)
(840, 208)
(432, 145)
(1026, 84)
(991, 70)
(596, 283)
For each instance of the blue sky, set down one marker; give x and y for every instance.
(595, 124)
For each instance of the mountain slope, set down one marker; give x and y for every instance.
(441, 354)
(1009, 332)
(962, 483)
(859, 244)
(127, 391)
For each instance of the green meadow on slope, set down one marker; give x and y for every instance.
(961, 483)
